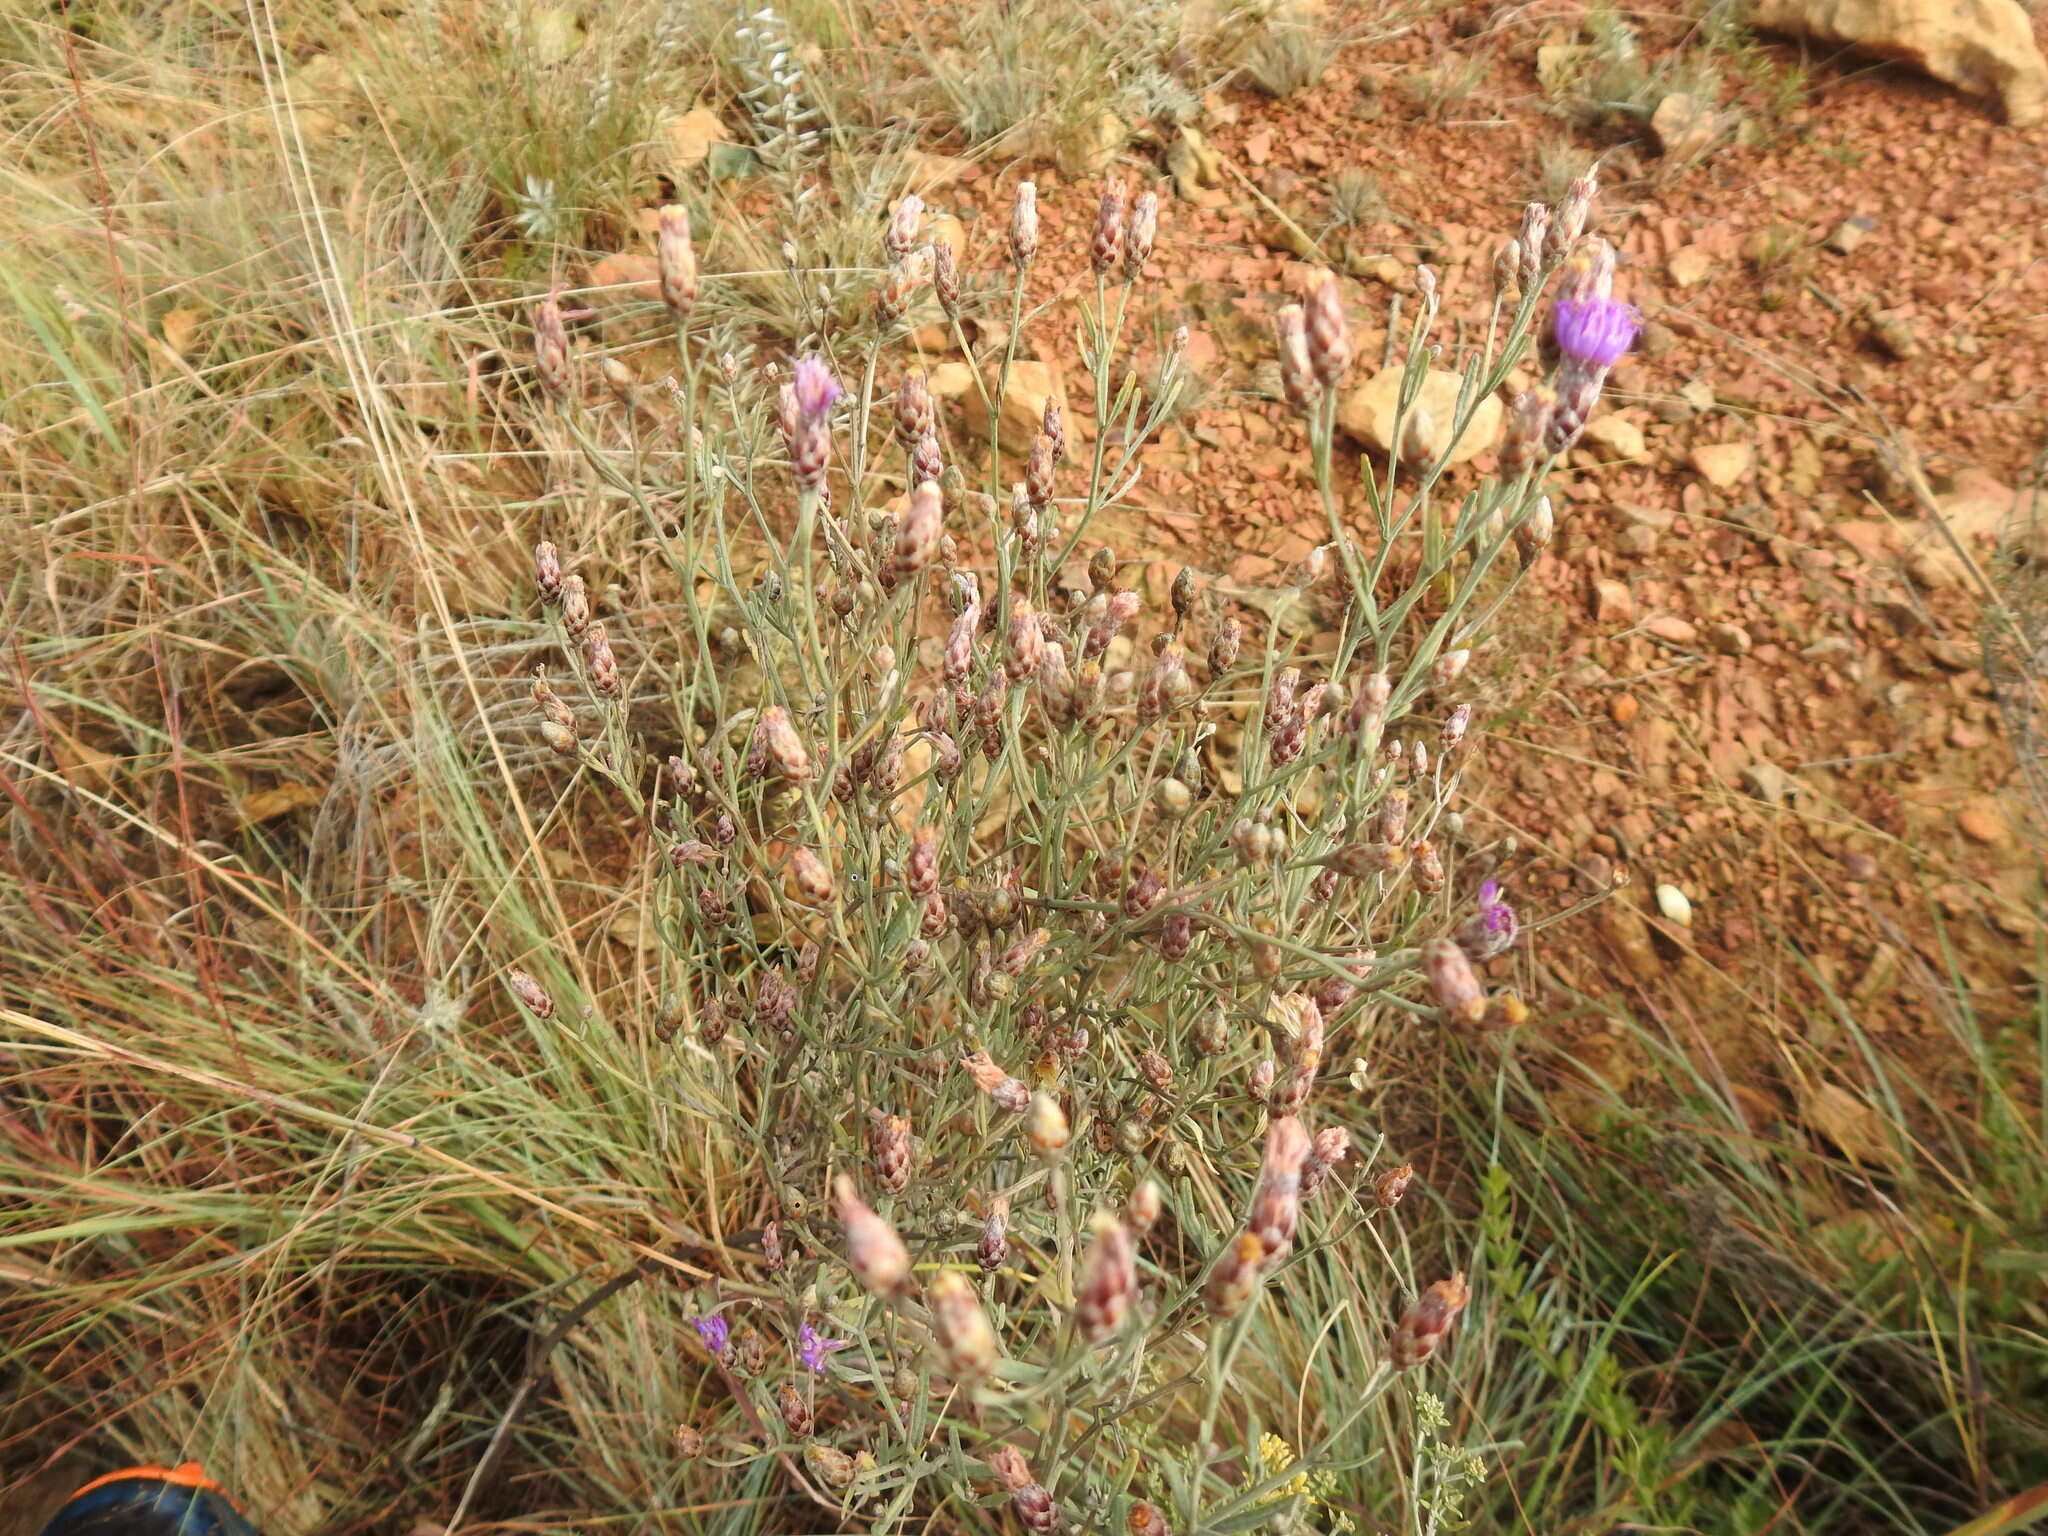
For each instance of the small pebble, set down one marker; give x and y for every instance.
(1672, 903)
(1623, 708)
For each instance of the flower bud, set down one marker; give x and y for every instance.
(1108, 1282)
(1453, 985)
(967, 1344)
(1427, 1323)
(1107, 248)
(531, 993)
(874, 1252)
(1391, 1185)
(1024, 225)
(1046, 1126)
(1329, 333)
(889, 1151)
(1234, 1279)
(1143, 231)
(676, 260)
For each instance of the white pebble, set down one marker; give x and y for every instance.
(1672, 903)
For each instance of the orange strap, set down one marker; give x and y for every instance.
(185, 1475)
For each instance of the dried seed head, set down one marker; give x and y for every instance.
(1534, 240)
(936, 918)
(1535, 530)
(901, 235)
(1026, 642)
(1109, 1280)
(1045, 1123)
(921, 869)
(993, 1251)
(560, 738)
(1143, 893)
(1357, 860)
(915, 415)
(551, 348)
(926, 461)
(1107, 249)
(796, 1413)
(1427, 1323)
(917, 536)
(547, 572)
(1391, 1185)
(889, 1150)
(1456, 724)
(1234, 1279)
(603, 665)
(1329, 333)
(1102, 569)
(676, 259)
(530, 993)
(1211, 1031)
(1038, 472)
(1143, 231)
(780, 745)
(1448, 668)
(967, 1344)
(1223, 650)
(830, 1465)
(1297, 374)
(1276, 1206)
(1008, 1093)
(1024, 225)
(1033, 1504)
(1507, 267)
(1573, 209)
(1392, 816)
(946, 278)
(810, 879)
(874, 1252)
(689, 1441)
(1332, 1146)
(1521, 449)
(1453, 985)
(1418, 758)
(1426, 866)
(1054, 429)
(575, 607)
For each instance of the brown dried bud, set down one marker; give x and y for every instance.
(993, 1251)
(1329, 333)
(1453, 986)
(560, 738)
(1009, 1093)
(1176, 937)
(603, 665)
(810, 879)
(926, 463)
(1046, 1125)
(1332, 1146)
(1143, 893)
(1102, 571)
(1211, 1031)
(1455, 725)
(547, 572)
(531, 993)
(575, 607)
(900, 236)
(1033, 1504)
(937, 917)
(772, 1255)
(676, 259)
(796, 1413)
(1534, 240)
(1146, 1520)
(1521, 448)
(915, 415)
(917, 536)
(921, 869)
(1392, 816)
(1234, 1279)
(967, 1344)
(1024, 225)
(1276, 1206)
(946, 278)
(1427, 1323)
(1391, 1185)
(874, 1252)
(1121, 608)
(1143, 231)
(1297, 375)
(830, 1465)
(1106, 251)
(1426, 866)
(689, 1441)
(1038, 472)
(1358, 860)
(778, 743)
(1051, 425)
(1223, 650)
(1108, 1282)
(1026, 653)
(889, 1150)
(551, 348)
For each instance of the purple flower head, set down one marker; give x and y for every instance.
(1595, 331)
(816, 389)
(714, 1330)
(816, 1349)
(1491, 929)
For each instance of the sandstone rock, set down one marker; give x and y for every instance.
(1684, 125)
(1689, 266)
(1367, 413)
(1729, 639)
(1613, 603)
(690, 135)
(1031, 384)
(1983, 47)
(625, 277)
(1672, 629)
(1722, 465)
(1980, 825)
(1196, 169)
(1850, 233)
(1620, 435)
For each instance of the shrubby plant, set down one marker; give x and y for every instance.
(1012, 925)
